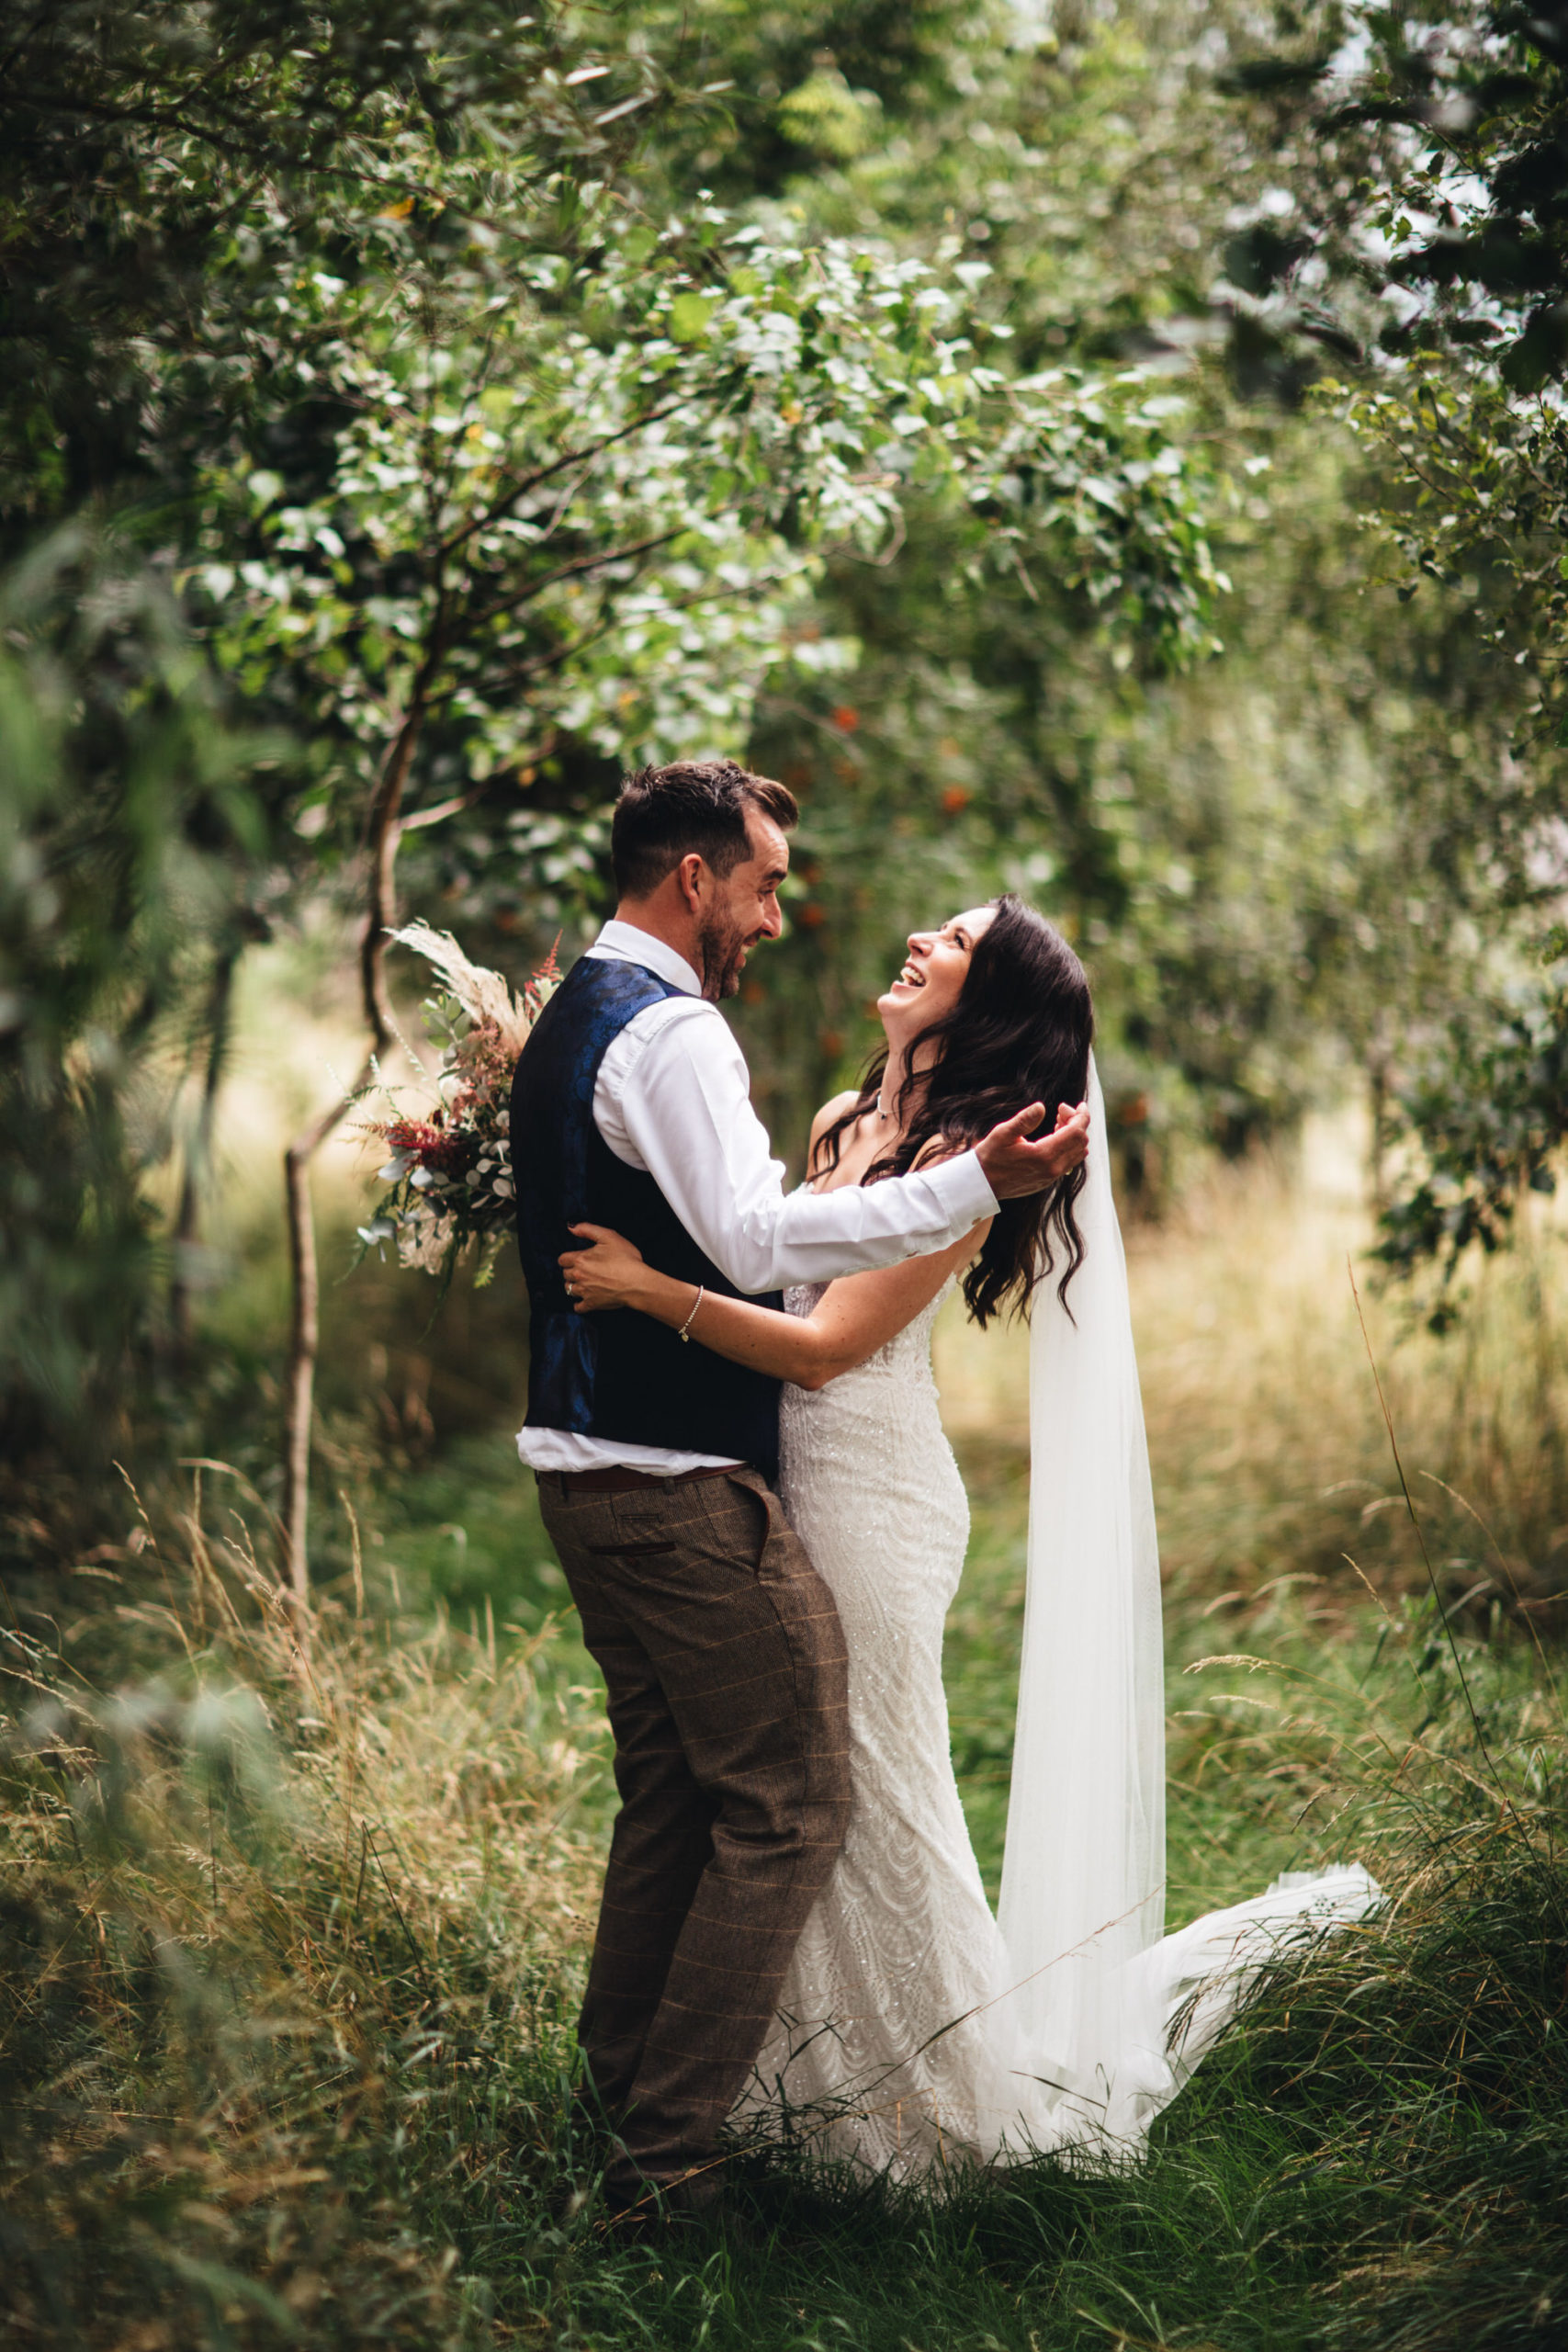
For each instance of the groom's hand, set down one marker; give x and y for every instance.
(1014, 1166)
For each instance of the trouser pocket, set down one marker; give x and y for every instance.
(742, 1521)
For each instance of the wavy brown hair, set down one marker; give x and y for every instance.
(1020, 1032)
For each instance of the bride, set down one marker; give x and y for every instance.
(915, 2027)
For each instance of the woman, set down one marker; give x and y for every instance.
(914, 2026)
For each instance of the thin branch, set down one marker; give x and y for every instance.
(471, 622)
(443, 809)
(153, 117)
(520, 488)
(25, 37)
(386, 180)
(568, 491)
(542, 663)
(381, 848)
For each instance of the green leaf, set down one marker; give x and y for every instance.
(688, 316)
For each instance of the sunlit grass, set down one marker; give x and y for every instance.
(1270, 1451)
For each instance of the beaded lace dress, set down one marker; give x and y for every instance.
(901, 1943)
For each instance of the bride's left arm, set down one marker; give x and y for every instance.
(860, 1313)
(855, 1316)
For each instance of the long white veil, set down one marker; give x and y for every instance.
(1083, 1880)
(1093, 1987)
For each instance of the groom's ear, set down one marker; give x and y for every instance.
(690, 875)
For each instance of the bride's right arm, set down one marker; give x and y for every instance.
(855, 1316)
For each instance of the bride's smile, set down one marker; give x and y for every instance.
(932, 976)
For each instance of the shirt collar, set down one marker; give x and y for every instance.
(620, 939)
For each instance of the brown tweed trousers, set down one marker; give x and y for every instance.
(724, 1662)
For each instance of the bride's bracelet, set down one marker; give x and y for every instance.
(685, 1330)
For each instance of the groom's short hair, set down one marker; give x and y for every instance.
(663, 814)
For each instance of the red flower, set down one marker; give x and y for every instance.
(431, 1145)
(845, 719)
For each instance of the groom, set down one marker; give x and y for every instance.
(720, 1646)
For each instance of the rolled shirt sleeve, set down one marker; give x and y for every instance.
(685, 1110)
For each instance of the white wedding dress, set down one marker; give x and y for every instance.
(911, 2033)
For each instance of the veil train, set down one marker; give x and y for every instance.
(1091, 2027)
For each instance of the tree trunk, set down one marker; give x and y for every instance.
(187, 1222)
(381, 849)
(304, 1338)
(1377, 1074)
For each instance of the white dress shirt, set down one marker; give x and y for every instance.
(673, 1097)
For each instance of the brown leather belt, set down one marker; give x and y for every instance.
(624, 1482)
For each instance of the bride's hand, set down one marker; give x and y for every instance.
(604, 1273)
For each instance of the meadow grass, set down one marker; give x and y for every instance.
(292, 1935)
(293, 1917)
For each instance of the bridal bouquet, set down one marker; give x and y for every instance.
(450, 1172)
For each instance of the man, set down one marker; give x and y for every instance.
(720, 1648)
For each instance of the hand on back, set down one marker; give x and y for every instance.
(603, 1272)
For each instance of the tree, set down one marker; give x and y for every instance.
(578, 502)
(126, 805)
(1236, 846)
(483, 453)
(1426, 156)
(137, 149)
(478, 459)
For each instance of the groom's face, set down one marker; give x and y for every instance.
(741, 908)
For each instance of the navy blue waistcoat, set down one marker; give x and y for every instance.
(615, 1374)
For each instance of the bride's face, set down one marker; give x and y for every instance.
(933, 973)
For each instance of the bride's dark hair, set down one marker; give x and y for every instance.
(1020, 1032)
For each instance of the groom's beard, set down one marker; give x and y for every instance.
(722, 945)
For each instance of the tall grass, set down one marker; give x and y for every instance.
(291, 1938)
(288, 1938)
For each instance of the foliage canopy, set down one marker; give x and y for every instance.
(484, 402)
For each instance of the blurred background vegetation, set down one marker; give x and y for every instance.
(1179, 549)
(1110, 452)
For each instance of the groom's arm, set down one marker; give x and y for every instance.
(684, 1108)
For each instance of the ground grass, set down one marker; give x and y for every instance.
(292, 1934)
(292, 1918)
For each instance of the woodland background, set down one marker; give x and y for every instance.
(1108, 452)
